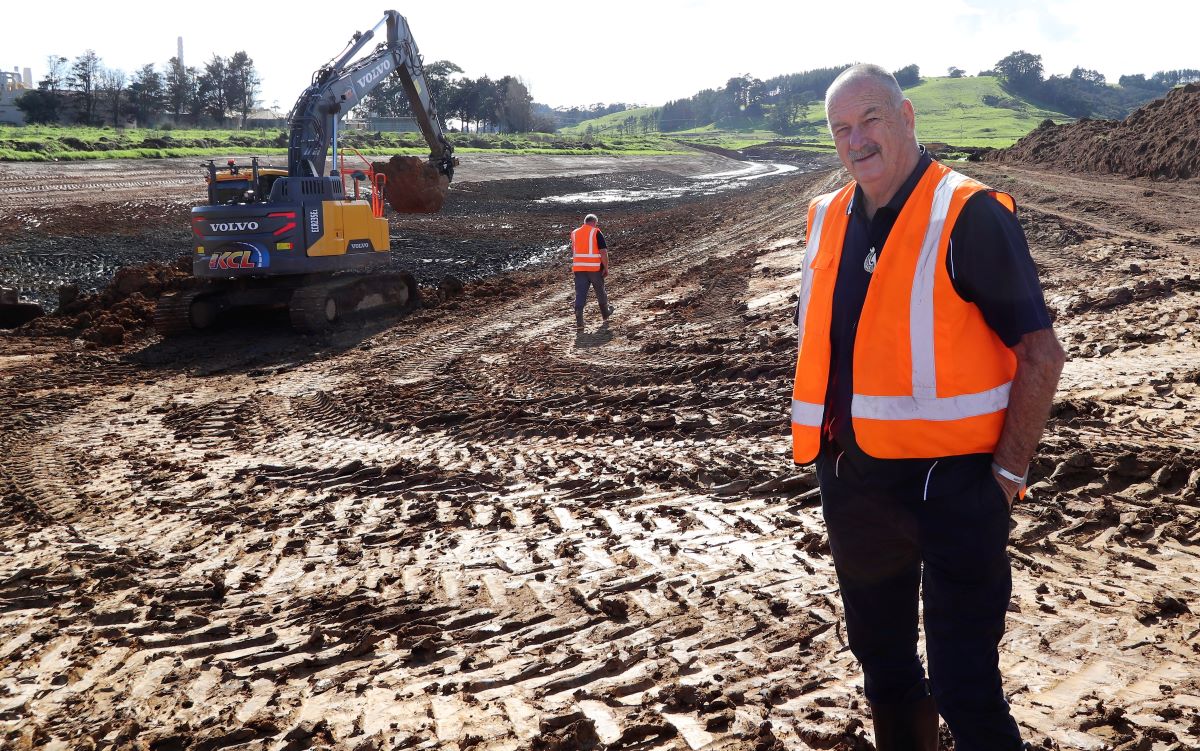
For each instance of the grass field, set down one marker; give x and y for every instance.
(952, 110)
(949, 110)
(44, 143)
(601, 125)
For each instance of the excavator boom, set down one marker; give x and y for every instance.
(342, 84)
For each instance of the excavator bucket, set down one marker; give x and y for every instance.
(414, 186)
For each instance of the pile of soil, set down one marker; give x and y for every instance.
(414, 186)
(121, 311)
(1160, 140)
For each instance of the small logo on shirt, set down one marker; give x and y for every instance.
(869, 262)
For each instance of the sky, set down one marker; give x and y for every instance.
(640, 52)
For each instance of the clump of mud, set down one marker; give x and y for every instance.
(121, 311)
(414, 186)
(1160, 140)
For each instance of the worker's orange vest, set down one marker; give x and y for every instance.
(931, 378)
(583, 243)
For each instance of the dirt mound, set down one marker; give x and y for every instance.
(414, 186)
(1160, 140)
(121, 311)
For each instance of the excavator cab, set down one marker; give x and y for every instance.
(236, 184)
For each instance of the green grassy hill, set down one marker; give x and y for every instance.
(607, 122)
(957, 111)
(954, 110)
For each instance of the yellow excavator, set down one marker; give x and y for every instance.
(297, 238)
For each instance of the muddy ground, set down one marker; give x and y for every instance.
(476, 528)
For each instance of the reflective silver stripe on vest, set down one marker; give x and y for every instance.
(920, 326)
(585, 258)
(916, 408)
(807, 413)
(924, 403)
(810, 255)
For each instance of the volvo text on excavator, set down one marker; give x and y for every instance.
(295, 239)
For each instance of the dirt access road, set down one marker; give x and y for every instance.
(475, 528)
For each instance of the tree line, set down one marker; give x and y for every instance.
(503, 104)
(86, 91)
(1084, 92)
(783, 103)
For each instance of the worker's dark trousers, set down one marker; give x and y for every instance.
(584, 280)
(951, 547)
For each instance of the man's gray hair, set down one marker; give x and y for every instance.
(590, 218)
(871, 72)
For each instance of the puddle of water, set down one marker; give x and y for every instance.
(709, 184)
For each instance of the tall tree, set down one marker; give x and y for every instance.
(111, 89)
(1022, 70)
(147, 94)
(241, 85)
(514, 112)
(56, 74)
(909, 75)
(180, 84)
(484, 98)
(439, 75)
(1089, 77)
(213, 89)
(195, 101)
(83, 78)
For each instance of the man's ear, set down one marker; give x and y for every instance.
(910, 115)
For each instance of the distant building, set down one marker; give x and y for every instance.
(12, 87)
(266, 118)
(392, 124)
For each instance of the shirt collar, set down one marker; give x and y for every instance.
(906, 188)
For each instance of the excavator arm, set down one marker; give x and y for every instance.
(342, 84)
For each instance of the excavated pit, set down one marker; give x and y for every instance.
(477, 527)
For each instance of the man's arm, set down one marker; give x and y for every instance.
(602, 244)
(1040, 361)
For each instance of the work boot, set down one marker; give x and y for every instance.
(579, 319)
(906, 727)
(608, 312)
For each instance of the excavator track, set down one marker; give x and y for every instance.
(318, 307)
(179, 313)
(314, 308)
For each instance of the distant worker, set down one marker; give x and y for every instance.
(590, 267)
(926, 369)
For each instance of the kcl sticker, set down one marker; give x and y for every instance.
(245, 257)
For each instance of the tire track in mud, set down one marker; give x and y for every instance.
(479, 530)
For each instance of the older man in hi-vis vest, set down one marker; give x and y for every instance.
(927, 366)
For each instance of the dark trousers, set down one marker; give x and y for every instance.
(584, 280)
(950, 547)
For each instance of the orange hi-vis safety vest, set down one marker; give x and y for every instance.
(583, 243)
(931, 378)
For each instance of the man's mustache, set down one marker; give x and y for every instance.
(862, 153)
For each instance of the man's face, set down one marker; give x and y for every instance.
(874, 138)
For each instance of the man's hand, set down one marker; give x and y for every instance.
(1010, 488)
(1039, 362)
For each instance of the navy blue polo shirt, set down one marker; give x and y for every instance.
(990, 266)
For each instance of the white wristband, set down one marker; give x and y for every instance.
(1009, 475)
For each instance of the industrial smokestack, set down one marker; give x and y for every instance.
(180, 53)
